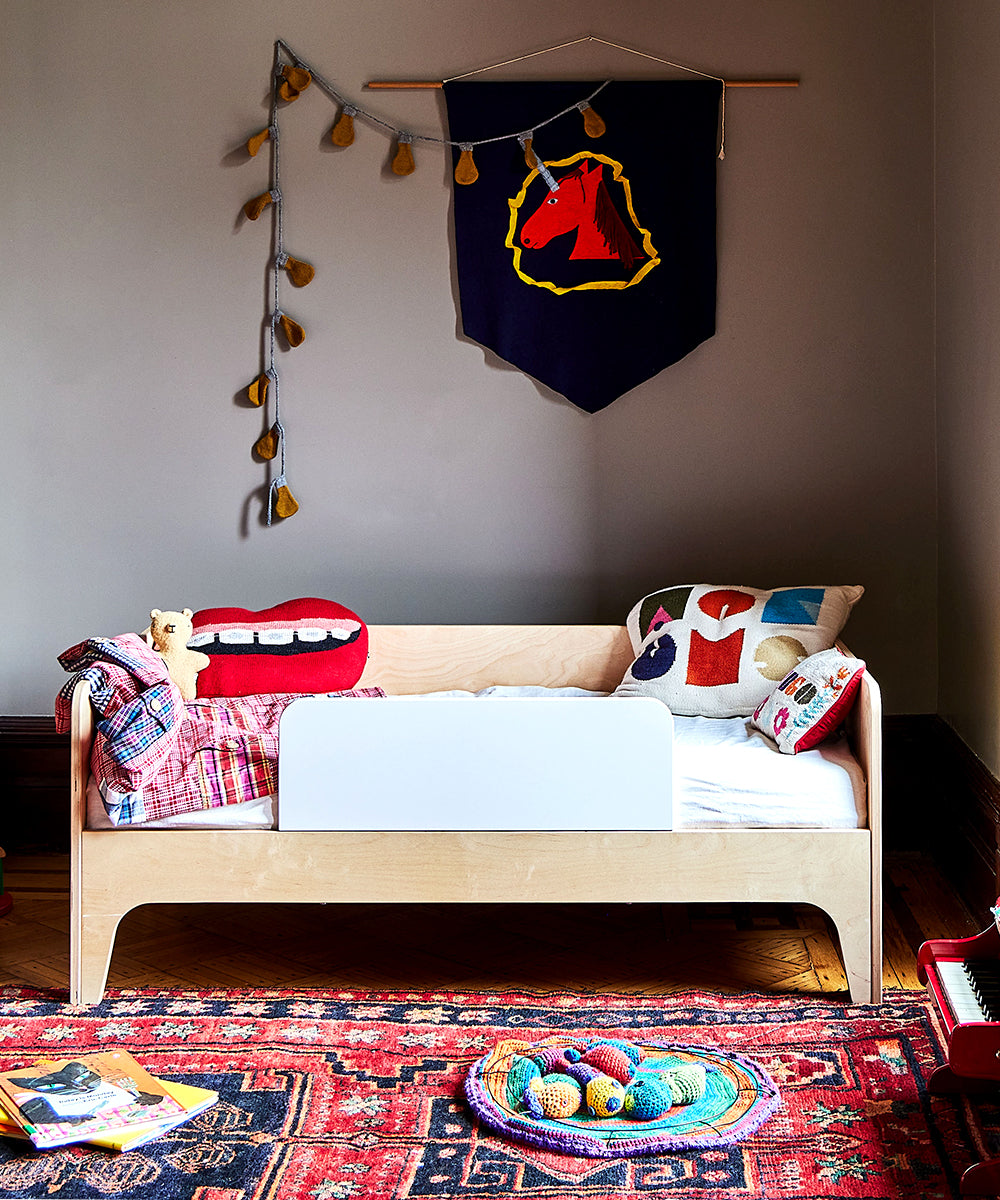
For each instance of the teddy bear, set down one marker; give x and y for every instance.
(168, 635)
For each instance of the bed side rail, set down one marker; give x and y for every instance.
(80, 739)
(864, 729)
(406, 659)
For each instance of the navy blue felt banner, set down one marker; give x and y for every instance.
(600, 284)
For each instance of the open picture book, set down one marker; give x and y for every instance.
(106, 1098)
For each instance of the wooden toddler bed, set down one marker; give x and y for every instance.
(836, 869)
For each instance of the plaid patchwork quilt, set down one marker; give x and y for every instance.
(154, 756)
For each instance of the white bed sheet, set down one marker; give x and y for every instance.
(261, 813)
(726, 774)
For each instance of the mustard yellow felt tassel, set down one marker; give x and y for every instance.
(254, 143)
(593, 126)
(257, 391)
(266, 446)
(342, 134)
(403, 163)
(299, 272)
(296, 80)
(529, 154)
(253, 208)
(293, 331)
(285, 504)
(465, 171)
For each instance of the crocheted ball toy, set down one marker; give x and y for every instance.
(522, 1071)
(686, 1082)
(604, 1096)
(555, 1096)
(551, 1059)
(647, 1098)
(635, 1053)
(611, 1060)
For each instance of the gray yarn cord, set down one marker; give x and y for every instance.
(280, 255)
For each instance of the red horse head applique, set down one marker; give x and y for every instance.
(582, 203)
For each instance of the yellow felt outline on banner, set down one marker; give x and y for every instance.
(596, 285)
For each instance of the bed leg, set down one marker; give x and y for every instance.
(90, 957)
(858, 950)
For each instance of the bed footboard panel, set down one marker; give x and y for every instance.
(828, 868)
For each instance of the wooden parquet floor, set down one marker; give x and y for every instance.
(614, 948)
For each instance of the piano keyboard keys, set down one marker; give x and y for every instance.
(972, 988)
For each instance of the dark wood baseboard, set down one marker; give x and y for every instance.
(34, 767)
(939, 798)
(961, 814)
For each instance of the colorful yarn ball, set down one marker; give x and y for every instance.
(604, 1096)
(522, 1071)
(557, 1096)
(634, 1052)
(581, 1071)
(554, 1058)
(611, 1060)
(647, 1098)
(686, 1082)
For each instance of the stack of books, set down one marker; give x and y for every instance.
(106, 1099)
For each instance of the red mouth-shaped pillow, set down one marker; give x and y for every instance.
(305, 645)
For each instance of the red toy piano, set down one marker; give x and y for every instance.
(963, 977)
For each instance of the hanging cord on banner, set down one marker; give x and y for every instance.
(615, 46)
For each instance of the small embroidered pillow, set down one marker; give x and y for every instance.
(811, 701)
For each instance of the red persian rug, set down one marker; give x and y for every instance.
(340, 1095)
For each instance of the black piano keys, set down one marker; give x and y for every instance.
(984, 975)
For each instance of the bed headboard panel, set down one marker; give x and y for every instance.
(405, 659)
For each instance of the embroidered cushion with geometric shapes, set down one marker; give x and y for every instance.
(304, 645)
(811, 702)
(718, 650)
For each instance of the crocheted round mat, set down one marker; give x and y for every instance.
(739, 1096)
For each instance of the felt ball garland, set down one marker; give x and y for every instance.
(342, 134)
(253, 208)
(403, 162)
(300, 273)
(466, 171)
(593, 125)
(529, 155)
(294, 81)
(257, 391)
(291, 76)
(257, 140)
(266, 446)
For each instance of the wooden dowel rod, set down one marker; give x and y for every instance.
(404, 85)
(414, 84)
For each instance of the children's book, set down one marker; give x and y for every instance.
(61, 1100)
(194, 1099)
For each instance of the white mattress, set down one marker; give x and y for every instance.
(729, 774)
(726, 774)
(251, 814)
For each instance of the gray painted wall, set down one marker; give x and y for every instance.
(968, 370)
(436, 483)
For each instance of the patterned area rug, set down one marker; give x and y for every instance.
(333, 1095)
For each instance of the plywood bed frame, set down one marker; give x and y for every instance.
(838, 870)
